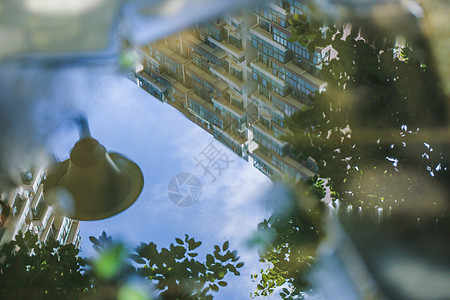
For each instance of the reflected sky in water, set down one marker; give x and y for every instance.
(125, 119)
(160, 140)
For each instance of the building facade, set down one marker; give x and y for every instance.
(25, 209)
(239, 77)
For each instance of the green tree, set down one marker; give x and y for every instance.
(54, 271)
(175, 271)
(179, 275)
(376, 132)
(378, 135)
(294, 231)
(32, 270)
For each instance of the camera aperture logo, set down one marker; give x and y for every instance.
(184, 189)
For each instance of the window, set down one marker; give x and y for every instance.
(214, 33)
(296, 7)
(205, 113)
(280, 37)
(268, 144)
(264, 122)
(284, 108)
(236, 73)
(267, 51)
(271, 15)
(235, 41)
(264, 25)
(297, 83)
(279, 120)
(268, 84)
(39, 209)
(196, 60)
(237, 103)
(238, 91)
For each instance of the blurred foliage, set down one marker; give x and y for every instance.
(378, 132)
(32, 270)
(54, 271)
(311, 33)
(296, 229)
(177, 273)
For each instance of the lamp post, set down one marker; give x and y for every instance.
(93, 184)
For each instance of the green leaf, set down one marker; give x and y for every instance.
(191, 244)
(179, 252)
(226, 245)
(179, 241)
(137, 259)
(218, 256)
(209, 260)
(240, 265)
(147, 251)
(94, 240)
(222, 283)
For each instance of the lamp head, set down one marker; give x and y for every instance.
(93, 184)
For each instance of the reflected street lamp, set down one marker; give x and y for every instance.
(93, 184)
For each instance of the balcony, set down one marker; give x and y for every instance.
(282, 10)
(209, 115)
(257, 126)
(231, 139)
(27, 176)
(289, 100)
(39, 208)
(37, 197)
(267, 71)
(264, 164)
(229, 108)
(266, 36)
(32, 179)
(294, 168)
(237, 21)
(219, 85)
(299, 72)
(16, 222)
(261, 99)
(202, 47)
(73, 233)
(227, 77)
(171, 55)
(152, 85)
(226, 46)
(181, 107)
(278, 127)
(192, 115)
(48, 230)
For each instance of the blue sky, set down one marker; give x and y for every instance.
(163, 143)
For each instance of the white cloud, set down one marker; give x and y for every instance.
(164, 143)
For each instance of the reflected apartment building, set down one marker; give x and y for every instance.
(239, 78)
(25, 209)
